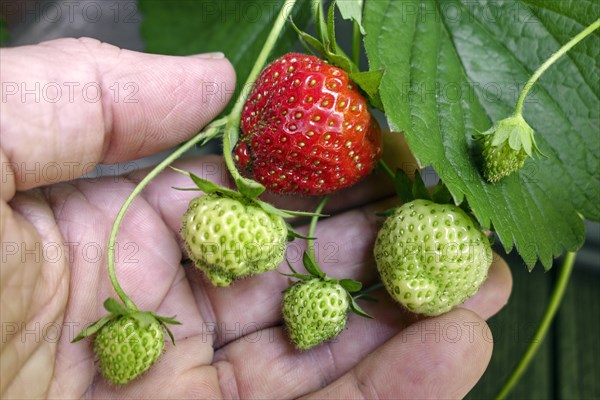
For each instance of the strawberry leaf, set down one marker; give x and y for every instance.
(143, 318)
(419, 189)
(320, 23)
(441, 194)
(351, 285)
(369, 82)
(403, 186)
(113, 306)
(454, 68)
(292, 234)
(352, 10)
(311, 266)
(302, 277)
(309, 40)
(356, 309)
(93, 328)
(167, 320)
(4, 35)
(366, 297)
(166, 328)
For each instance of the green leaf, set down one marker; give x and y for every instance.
(4, 35)
(331, 28)
(270, 209)
(352, 10)
(290, 266)
(419, 189)
(238, 28)
(113, 306)
(320, 23)
(93, 328)
(441, 194)
(454, 68)
(369, 82)
(308, 39)
(209, 187)
(302, 277)
(356, 309)
(386, 213)
(297, 235)
(143, 318)
(351, 285)
(403, 186)
(311, 266)
(366, 297)
(249, 188)
(167, 320)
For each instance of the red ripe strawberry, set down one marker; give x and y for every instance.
(306, 128)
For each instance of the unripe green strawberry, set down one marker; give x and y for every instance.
(230, 238)
(431, 257)
(314, 311)
(126, 349)
(506, 147)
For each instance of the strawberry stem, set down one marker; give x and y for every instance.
(313, 226)
(553, 305)
(549, 62)
(386, 168)
(208, 132)
(233, 124)
(356, 36)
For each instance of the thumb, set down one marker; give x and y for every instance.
(71, 103)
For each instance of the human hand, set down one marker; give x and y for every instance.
(231, 343)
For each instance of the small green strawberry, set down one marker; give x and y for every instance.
(315, 308)
(126, 349)
(230, 238)
(506, 147)
(128, 342)
(314, 311)
(431, 257)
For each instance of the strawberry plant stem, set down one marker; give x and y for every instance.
(553, 305)
(550, 61)
(386, 168)
(356, 36)
(233, 124)
(313, 226)
(208, 132)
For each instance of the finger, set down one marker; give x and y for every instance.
(183, 371)
(178, 374)
(441, 357)
(265, 364)
(494, 292)
(74, 103)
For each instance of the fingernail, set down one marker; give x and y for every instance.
(210, 56)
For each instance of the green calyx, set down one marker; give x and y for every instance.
(325, 45)
(211, 188)
(128, 342)
(117, 310)
(506, 147)
(315, 273)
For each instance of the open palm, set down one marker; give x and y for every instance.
(231, 343)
